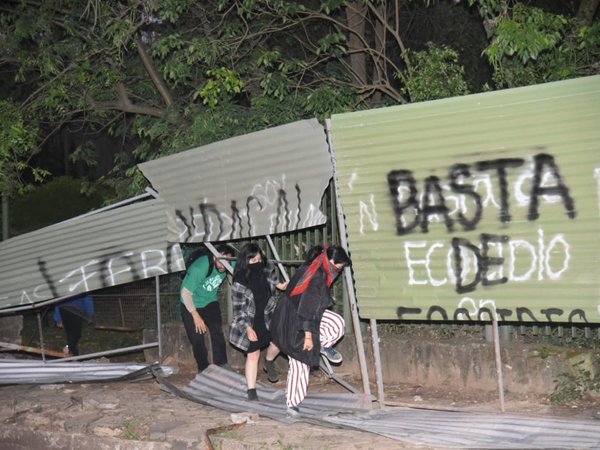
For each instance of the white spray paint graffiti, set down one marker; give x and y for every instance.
(89, 276)
(369, 214)
(550, 260)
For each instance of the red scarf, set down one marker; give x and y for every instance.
(307, 276)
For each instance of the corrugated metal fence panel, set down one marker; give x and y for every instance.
(465, 208)
(266, 182)
(94, 251)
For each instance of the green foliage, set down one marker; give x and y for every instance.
(327, 100)
(333, 43)
(175, 74)
(573, 386)
(221, 82)
(436, 74)
(172, 10)
(530, 45)
(17, 146)
(526, 34)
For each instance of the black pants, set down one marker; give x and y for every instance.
(211, 314)
(73, 325)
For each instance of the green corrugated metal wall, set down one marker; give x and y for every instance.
(504, 210)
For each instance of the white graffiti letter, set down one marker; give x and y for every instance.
(158, 268)
(513, 246)
(410, 263)
(84, 276)
(558, 239)
(371, 216)
(111, 273)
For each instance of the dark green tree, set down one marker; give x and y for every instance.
(158, 77)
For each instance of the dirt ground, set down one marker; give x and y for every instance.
(142, 416)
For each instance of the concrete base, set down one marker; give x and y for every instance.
(453, 364)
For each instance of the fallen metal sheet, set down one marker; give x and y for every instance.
(106, 248)
(452, 429)
(16, 371)
(267, 182)
(226, 390)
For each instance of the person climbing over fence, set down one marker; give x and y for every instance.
(200, 310)
(253, 301)
(302, 326)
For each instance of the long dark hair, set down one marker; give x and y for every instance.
(242, 269)
(337, 253)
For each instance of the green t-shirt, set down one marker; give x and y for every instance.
(204, 288)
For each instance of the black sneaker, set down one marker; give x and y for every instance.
(271, 370)
(252, 395)
(331, 354)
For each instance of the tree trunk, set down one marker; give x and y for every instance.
(380, 67)
(355, 15)
(587, 10)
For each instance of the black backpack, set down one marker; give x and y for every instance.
(198, 253)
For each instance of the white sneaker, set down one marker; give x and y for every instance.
(293, 411)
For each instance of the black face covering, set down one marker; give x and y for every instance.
(257, 281)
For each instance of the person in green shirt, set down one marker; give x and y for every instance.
(200, 308)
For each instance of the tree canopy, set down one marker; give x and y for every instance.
(107, 84)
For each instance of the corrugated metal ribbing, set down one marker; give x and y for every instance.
(477, 206)
(99, 250)
(14, 371)
(267, 182)
(226, 390)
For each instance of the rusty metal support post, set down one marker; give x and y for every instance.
(158, 320)
(498, 363)
(39, 322)
(276, 255)
(378, 367)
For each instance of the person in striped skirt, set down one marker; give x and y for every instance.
(302, 326)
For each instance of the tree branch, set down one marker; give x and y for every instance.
(162, 89)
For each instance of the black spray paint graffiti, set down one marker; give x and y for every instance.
(484, 262)
(411, 212)
(110, 270)
(486, 314)
(239, 223)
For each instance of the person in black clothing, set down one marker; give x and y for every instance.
(302, 326)
(70, 316)
(254, 284)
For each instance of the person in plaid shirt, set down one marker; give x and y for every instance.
(254, 283)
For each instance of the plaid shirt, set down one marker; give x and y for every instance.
(244, 308)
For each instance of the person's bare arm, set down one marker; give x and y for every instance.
(188, 301)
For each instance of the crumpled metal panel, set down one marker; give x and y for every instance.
(18, 371)
(226, 390)
(261, 183)
(102, 249)
(452, 429)
(477, 207)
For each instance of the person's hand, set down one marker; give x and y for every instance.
(199, 323)
(59, 324)
(282, 286)
(308, 342)
(251, 334)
